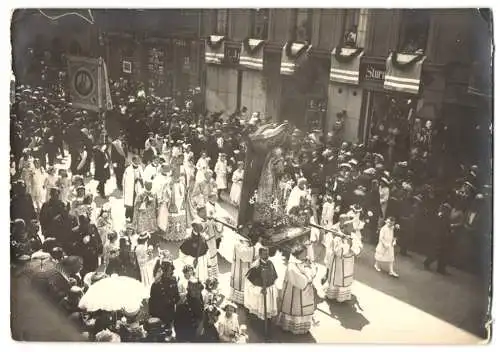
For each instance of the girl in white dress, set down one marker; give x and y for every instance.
(384, 252)
(50, 181)
(201, 167)
(145, 259)
(221, 171)
(228, 325)
(37, 186)
(237, 180)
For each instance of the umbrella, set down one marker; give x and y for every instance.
(113, 294)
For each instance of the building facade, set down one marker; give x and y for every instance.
(351, 68)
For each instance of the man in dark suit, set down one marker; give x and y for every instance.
(101, 172)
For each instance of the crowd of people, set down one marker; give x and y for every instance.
(174, 166)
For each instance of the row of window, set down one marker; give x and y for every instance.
(412, 39)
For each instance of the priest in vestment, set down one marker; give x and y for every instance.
(245, 253)
(261, 283)
(145, 210)
(132, 186)
(194, 251)
(297, 305)
(339, 260)
(161, 188)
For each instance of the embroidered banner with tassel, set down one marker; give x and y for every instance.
(292, 56)
(252, 54)
(345, 65)
(214, 49)
(403, 72)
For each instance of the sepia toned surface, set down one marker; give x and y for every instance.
(411, 85)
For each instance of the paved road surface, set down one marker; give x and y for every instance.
(419, 307)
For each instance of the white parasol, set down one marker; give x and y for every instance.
(113, 294)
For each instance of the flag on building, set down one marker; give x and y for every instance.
(345, 65)
(403, 72)
(292, 56)
(252, 54)
(89, 86)
(214, 49)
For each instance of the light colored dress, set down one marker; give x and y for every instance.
(228, 328)
(384, 252)
(145, 263)
(235, 194)
(221, 174)
(37, 186)
(339, 261)
(201, 168)
(297, 304)
(164, 199)
(50, 181)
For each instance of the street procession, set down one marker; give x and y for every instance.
(143, 213)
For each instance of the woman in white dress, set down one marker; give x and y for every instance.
(50, 181)
(237, 180)
(228, 325)
(145, 259)
(37, 185)
(189, 170)
(384, 252)
(221, 171)
(201, 167)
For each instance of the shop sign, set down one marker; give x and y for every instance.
(372, 72)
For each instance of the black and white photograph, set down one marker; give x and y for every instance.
(251, 175)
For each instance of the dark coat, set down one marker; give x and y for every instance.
(188, 317)
(101, 172)
(21, 207)
(89, 252)
(54, 220)
(163, 299)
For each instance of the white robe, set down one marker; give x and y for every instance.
(298, 299)
(384, 252)
(150, 172)
(201, 168)
(235, 193)
(221, 174)
(130, 186)
(295, 196)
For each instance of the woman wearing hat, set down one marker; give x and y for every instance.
(221, 171)
(384, 252)
(201, 167)
(228, 325)
(297, 305)
(38, 183)
(164, 294)
(237, 180)
(144, 252)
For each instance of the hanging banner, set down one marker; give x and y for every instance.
(403, 72)
(89, 86)
(252, 54)
(214, 49)
(292, 56)
(345, 65)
